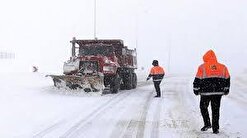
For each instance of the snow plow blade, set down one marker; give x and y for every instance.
(87, 83)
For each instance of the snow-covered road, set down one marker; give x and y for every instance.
(36, 109)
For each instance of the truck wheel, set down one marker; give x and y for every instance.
(128, 82)
(122, 84)
(115, 84)
(134, 80)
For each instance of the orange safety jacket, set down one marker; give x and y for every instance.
(157, 73)
(212, 78)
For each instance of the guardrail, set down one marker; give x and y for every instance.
(7, 55)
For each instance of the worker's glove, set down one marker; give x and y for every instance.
(226, 93)
(226, 90)
(196, 91)
(148, 78)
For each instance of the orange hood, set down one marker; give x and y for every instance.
(210, 56)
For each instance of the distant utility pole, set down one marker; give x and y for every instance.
(136, 35)
(95, 6)
(169, 52)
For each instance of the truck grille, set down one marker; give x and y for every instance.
(89, 67)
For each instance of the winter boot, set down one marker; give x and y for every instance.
(216, 131)
(205, 128)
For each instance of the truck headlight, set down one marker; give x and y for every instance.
(107, 61)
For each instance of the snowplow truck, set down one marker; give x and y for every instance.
(98, 66)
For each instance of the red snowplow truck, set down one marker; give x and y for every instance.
(99, 65)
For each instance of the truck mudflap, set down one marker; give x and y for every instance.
(87, 83)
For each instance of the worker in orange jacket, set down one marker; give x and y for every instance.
(157, 73)
(211, 82)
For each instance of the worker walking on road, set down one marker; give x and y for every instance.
(211, 82)
(157, 73)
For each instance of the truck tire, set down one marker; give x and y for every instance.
(115, 84)
(134, 80)
(128, 82)
(122, 84)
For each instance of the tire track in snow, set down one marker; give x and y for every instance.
(48, 129)
(156, 120)
(135, 125)
(237, 93)
(239, 100)
(141, 126)
(192, 117)
(176, 121)
(221, 134)
(78, 127)
(61, 123)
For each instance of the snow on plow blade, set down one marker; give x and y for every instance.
(87, 83)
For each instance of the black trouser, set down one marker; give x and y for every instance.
(157, 87)
(215, 106)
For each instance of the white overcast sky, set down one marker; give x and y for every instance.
(39, 31)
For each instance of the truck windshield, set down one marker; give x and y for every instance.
(96, 50)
